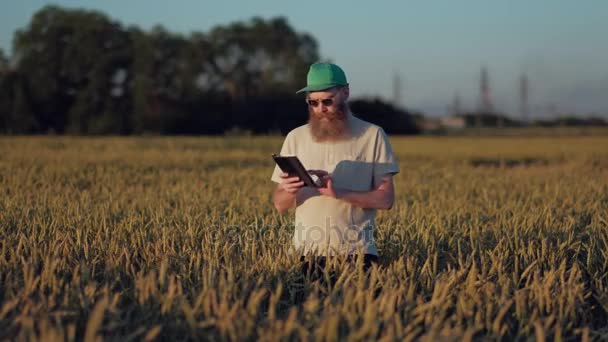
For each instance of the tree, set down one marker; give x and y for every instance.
(76, 63)
(258, 61)
(261, 57)
(385, 115)
(81, 72)
(16, 113)
(206, 83)
(3, 64)
(167, 69)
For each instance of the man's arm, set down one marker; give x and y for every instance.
(284, 196)
(282, 199)
(382, 197)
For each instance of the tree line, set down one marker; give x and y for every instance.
(76, 71)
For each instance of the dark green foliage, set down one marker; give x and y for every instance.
(80, 72)
(392, 119)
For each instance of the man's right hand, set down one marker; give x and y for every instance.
(290, 184)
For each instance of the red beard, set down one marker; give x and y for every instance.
(329, 126)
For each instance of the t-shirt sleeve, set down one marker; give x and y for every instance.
(287, 149)
(385, 161)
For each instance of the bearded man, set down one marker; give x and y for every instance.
(356, 163)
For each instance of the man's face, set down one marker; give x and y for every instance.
(327, 114)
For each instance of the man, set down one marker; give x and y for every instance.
(355, 161)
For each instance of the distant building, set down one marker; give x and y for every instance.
(429, 124)
(436, 125)
(453, 122)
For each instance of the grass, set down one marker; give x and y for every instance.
(176, 238)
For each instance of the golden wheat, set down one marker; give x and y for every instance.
(176, 238)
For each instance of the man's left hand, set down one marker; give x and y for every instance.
(381, 197)
(328, 190)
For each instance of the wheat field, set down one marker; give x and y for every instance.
(176, 238)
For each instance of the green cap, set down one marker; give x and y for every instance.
(323, 76)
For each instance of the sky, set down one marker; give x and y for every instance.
(436, 48)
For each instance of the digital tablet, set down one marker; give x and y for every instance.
(292, 166)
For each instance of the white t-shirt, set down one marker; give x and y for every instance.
(329, 226)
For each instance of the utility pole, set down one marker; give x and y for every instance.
(523, 99)
(485, 95)
(397, 100)
(456, 108)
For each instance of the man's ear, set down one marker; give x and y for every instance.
(346, 92)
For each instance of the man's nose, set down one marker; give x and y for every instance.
(323, 108)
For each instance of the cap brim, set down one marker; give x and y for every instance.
(316, 88)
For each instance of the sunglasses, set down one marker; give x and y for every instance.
(315, 103)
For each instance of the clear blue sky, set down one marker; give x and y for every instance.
(437, 47)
